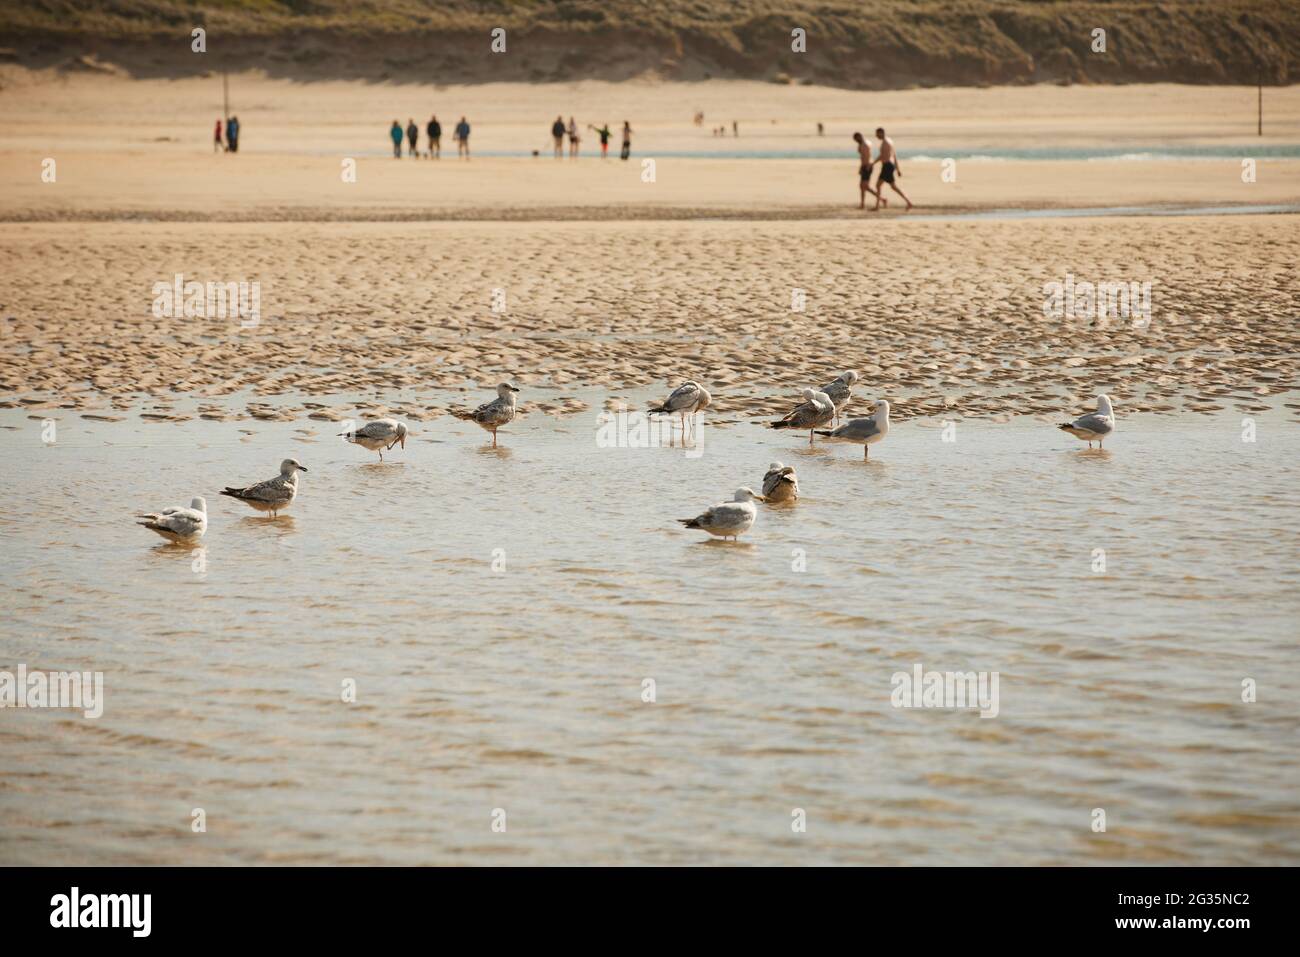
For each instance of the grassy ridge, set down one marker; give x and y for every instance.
(854, 43)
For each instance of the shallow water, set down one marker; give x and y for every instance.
(521, 689)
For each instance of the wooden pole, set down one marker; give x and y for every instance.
(1259, 100)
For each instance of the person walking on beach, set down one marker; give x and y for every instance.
(889, 168)
(865, 163)
(435, 137)
(395, 134)
(232, 134)
(557, 134)
(627, 140)
(604, 133)
(412, 137)
(217, 145)
(462, 138)
(573, 138)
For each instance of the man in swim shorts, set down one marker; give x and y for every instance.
(889, 168)
(864, 171)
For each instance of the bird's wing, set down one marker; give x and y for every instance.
(1094, 422)
(857, 429)
(381, 429)
(272, 490)
(682, 397)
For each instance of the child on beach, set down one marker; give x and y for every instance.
(395, 134)
(412, 135)
(627, 140)
(217, 145)
(604, 134)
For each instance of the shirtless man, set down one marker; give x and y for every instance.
(889, 168)
(864, 172)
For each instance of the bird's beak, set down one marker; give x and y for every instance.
(761, 498)
(513, 389)
(302, 468)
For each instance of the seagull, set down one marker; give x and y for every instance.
(816, 409)
(492, 415)
(378, 435)
(780, 484)
(687, 399)
(728, 519)
(273, 494)
(840, 391)
(865, 431)
(1094, 426)
(178, 524)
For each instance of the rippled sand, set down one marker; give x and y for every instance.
(517, 685)
(948, 315)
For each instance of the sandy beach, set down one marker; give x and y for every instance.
(500, 608)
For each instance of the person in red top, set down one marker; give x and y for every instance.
(217, 145)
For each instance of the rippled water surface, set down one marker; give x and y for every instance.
(521, 689)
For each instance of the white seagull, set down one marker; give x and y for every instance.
(840, 391)
(493, 415)
(687, 399)
(780, 484)
(816, 409)
(728, 519)
(273, 494)
(864, 432)
(178, 524)
(1094, 426)
(378, 435)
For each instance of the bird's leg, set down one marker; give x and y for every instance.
(494, 438)
(866, 452)
(810, 436)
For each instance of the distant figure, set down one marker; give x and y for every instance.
(821, 130)
(462, 138)
(865, 162)
(435, 137)
(604, 133)
(395, 134)
(735, 128)
(557, 133)
(699, 117)
(889, 168)
(232, 134)
(573, 138)
(412, 136)
(627, 140)
(217, 145)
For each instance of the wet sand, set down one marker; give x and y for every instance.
(938, 317)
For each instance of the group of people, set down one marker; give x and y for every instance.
(231, 144)
(559, 130)
(434, 132)
(890, 170)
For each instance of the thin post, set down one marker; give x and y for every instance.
(1259, 101)
(225, 95)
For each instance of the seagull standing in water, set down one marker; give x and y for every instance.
(378, 435)
(687, 399)
(493, 415)
(273, 494)
(864, 432)
(1094, 426)
(840, 391)
(780, 484)
(816, 409)
(728, 519)
(178, 524)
